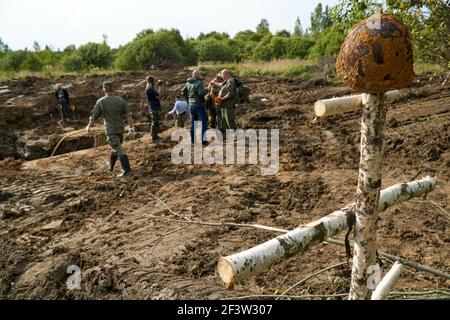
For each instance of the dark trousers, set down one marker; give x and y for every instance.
(63, 110)
(198, 113)
(155, 123)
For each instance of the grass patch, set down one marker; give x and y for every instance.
(424, 67)
(52, 74)
(276, 68)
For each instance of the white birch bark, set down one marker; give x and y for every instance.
(260, 258)
(365, 273)
(329, 107)
(387, 284)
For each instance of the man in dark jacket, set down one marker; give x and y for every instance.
(62, 100)
(194, 92)
(154, 106)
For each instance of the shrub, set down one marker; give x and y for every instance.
(72, 63)
(297, 47)
(96, 55)
(212, 49)
(328, 44)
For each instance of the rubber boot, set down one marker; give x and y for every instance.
(112, 162)
(124, 161)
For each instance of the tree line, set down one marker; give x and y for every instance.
(427, 21)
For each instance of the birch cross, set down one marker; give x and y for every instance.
(366, 271)
(375, 57)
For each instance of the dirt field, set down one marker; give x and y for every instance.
(68, 210)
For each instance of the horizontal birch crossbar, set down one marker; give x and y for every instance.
(329, 107)
(239, 266)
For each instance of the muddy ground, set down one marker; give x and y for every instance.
(67, 210)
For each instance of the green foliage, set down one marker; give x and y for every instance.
(429, 24)
(297, 47)
(277, 47)
(427, 20)
(20, 60)
(349, 12)
(143, 34)
(214, 34)
(72, 63)
(298, 29)
(3, 47)
(263, 27)
(49, 57)
(321, 19)
(283, 33)
(31, 63)
(328, 44)
(96, 55)
(213, 49)
(149, 48)
(262, 52)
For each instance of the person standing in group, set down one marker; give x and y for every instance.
(154, 105)
(62, 100)
(194, 92)
(226, 102)
(113, 109)
(180, 112)
(213, 88)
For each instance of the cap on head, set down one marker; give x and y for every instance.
(107, 85)
(58, 86)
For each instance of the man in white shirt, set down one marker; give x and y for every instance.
(180, 112)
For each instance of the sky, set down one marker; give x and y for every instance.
(59, 23)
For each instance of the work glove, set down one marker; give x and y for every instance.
(88, 128)
(131, 130)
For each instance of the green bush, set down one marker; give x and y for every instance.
(297, 47)
(20, 60)
(72, 63)
(262, 52)
(212, 49)
(278, 46)
(31, 63)
(328, 44)
(151, 48)
(96, 55)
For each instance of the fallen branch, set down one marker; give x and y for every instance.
(410, 264)
(311, 276)
(300, 297)
(390, 279)
(403, 261)
(260, 258)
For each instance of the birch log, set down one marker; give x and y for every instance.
(260, 258)
(387, 284)
(329, 107)
(366, 271)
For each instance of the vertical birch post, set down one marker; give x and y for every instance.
(366, 271)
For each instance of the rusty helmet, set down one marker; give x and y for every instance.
(377, 55)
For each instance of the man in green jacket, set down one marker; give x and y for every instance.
(226, 102)
(194, 92)
(113, 109)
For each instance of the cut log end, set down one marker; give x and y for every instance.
(320, 109)
(226, 273)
